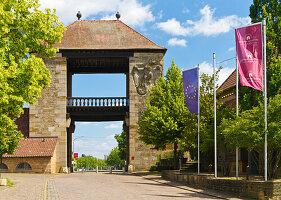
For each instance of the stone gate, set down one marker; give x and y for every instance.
(98, 46)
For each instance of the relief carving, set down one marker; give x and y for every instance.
(145, 75)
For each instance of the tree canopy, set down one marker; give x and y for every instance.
(164, 120)
(247, 131)
(24, 30)
(122, 144)
(114, 159)
(89, 162)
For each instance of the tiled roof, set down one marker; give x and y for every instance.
(35, 147)
(229, 82)
(104, 35)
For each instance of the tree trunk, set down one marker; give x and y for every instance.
(175, 156)
(1, 162)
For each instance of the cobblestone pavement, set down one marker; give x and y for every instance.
(27, 186)
(101, 186)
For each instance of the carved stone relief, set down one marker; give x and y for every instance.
(145, 75)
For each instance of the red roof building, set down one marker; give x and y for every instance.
(227, 88)
(104, 35)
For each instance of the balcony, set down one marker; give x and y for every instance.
(97, 108)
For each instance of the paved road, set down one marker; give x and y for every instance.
(101, 186)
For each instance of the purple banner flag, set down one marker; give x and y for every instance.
(190, 85)
(249, 55)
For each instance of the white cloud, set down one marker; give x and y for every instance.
(88, 123)
(177, 42)
(207, 68)
(96, 148)
(208, 25)
(133, 12)
(113, 126)
(231, 49)
(173, 27)
(160, 14)
(186, 10)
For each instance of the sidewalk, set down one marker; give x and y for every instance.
(212, 193)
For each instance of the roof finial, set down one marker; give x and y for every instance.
(118, 15)
(79, 15)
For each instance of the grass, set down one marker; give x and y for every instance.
(10, 183)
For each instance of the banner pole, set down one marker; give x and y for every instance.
(215, 114)
(198, 120)
(237, 112)
(265, 99)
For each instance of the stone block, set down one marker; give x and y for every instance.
(3, 182)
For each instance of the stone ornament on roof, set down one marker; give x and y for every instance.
(145, 75)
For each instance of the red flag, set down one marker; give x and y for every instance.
(249, 55)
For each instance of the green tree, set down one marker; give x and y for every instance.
(270, 10)
(122, 144)
(248, 131)
(89, 162)
(206, 120)
(24, 30)
(114, 159)
(164, 120)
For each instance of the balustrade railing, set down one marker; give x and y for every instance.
(97, 102)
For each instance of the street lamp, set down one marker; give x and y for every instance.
(73, 144)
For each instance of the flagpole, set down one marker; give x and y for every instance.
(198, 120)
(215, 114)
(265, 99)
(237, 101)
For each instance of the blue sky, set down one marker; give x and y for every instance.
(191, 30)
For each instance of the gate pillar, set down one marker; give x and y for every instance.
(144, 70)
(48, 114)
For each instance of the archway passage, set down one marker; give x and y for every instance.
(94, 109)
(94, 47)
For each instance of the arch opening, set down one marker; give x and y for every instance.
(24, 166)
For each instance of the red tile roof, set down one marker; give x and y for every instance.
(35, 147)
(104, 35)
(229, 82)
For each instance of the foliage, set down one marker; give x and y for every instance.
(164, 120)
(24, 30)
(166, 116)
(247, 131)
(10, 183)
(270, 10)
(89, 162)
(122, 144)
(114, 159)
(206, 120)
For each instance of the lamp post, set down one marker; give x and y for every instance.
(73, 145)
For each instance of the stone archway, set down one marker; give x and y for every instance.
(98, 46)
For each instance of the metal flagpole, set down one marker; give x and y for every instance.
(237, 101)
(215, 114)
(265, 100)
(198, 120)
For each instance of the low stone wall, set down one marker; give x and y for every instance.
(247, 188)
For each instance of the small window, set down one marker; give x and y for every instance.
(23, 166)
(3, 167)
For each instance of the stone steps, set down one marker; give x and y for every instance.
(189, 167)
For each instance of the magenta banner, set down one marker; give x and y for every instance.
(249, 55)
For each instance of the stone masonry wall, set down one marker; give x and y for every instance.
(246, 188)
(144, 69)
(38, 164)
(48, 114)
